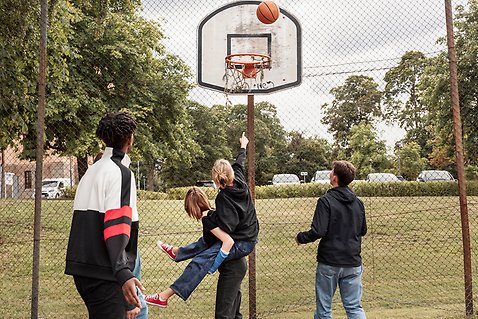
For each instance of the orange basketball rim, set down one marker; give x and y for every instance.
(250, 66)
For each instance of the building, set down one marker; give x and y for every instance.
(19, 175)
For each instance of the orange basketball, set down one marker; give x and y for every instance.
(267, 12)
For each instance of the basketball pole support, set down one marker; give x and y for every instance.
(39, 157)
(460, 166)
(251, 177)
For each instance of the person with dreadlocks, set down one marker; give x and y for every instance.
(102, 246)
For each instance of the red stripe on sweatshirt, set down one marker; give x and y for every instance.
(117, 213)
(115, 230)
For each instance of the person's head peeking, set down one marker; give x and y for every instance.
(342, 174)
(117, 130)
(196, 202)
(222, 173)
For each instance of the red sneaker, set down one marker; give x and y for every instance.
(155, 300)
(168, 249)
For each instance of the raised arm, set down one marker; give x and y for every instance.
(241, 156)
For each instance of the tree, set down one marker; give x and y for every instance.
(411, 161)
(356, 101)
(435, 85)
(368, 152)
(19, 47)
(403, 102)
(401, 95)
(211, 143)
(307, 154)
(270, 136)
(110, 58)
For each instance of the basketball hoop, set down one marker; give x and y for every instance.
(248, 64)
(242, 67)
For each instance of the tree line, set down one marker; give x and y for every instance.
(104, 56)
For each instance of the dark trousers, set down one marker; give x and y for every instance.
(228, 295)
(103, 299)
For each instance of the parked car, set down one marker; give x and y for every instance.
(206, 183)
(54, 187)
(321, 177)
(283, 179)
(382, 177)
(434, 175)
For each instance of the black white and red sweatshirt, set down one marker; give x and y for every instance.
(104, 231)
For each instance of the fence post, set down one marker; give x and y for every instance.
(251, 168)
(39, 158)
(455, 101)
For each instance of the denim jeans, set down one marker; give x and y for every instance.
(202, 259)
(144, 307)
(349, 280)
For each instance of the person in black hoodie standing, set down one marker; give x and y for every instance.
(339, 221)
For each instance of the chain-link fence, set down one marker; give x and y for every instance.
(375, 90)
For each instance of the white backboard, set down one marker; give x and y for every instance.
(234, 28)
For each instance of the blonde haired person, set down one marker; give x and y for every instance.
(229, 232)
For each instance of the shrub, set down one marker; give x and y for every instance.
(180, 192)
(367, 189)
(145, 195)
(363, 189)
(69, 192)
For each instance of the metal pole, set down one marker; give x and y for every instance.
(251, 168)
(39, 158)
(2, 171)
(455, 101)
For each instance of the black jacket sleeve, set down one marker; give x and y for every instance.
(238, 166)
(364, 223)
(320, 223)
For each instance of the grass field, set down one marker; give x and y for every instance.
(412, 257)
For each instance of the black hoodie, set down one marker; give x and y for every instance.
(339, 220)
(235, 211)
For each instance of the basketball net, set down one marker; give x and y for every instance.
(242, 70)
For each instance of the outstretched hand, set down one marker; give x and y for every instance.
(244, 140)
(129, 291)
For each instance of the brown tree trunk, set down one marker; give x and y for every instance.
(150, 176)
(82, 163)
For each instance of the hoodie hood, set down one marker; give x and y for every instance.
(239, 190)
(342, 194)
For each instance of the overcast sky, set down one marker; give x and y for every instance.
(340, 38)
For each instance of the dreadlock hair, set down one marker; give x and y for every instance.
(116, 128)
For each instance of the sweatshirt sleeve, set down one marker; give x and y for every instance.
(364, 222)
(238, 166)
(319, 226)
(117, 223)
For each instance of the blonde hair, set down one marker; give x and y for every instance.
(196, 202)
(222, 173)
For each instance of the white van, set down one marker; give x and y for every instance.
(54, 187)
(285, 179)
(321, 177)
